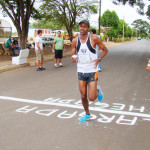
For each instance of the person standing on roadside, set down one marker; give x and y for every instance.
(58, 47)
(84, 54)
(39, 51)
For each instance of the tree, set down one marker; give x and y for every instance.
(120, 27)
(148, 12)
(128, 32)
(20, 12)
(134, 33)
(110, 19)
(106, 20)
(112, 33)
(141, 26)
(45, 24)
(66, 12)
(115, 20)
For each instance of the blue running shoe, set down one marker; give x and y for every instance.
(85, 118)
(100, 94)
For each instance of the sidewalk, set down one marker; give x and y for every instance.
(7, 65)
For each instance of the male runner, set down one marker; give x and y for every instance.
(85, 48)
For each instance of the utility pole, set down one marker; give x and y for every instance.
(99, 25)
(123, 29)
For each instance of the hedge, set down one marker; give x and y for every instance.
(117, 40)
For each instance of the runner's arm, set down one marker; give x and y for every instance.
(102, 47)
(74, 43)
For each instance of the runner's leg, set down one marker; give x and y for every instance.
(83, 91)
(92, 90)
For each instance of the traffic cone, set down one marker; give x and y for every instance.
(148, 65)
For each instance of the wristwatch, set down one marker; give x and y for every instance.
(100, 59)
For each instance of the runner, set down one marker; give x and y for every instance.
(84, 48)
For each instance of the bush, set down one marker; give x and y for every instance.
(133, 39)
(118, 40)
(102, 37)
(126, 39)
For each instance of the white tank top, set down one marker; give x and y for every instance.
(86, 55)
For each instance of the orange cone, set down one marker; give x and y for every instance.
(148, 65)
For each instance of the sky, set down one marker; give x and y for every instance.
(129, 13)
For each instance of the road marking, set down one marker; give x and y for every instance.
(74, 106)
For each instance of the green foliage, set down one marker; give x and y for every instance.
(112, 33)
(127, 39)
(134, 39)
(46, 24)
(66, 12)
(148, 12)
(102, 37)
(106, 19)
(115, 19)
(141, 26)
(118, 40)
(110, 19)
(134, 33)
(19, 12)
(149, 35)
(128, 32)
(120, 27)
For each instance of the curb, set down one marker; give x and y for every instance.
(51, 57)
(15, 67)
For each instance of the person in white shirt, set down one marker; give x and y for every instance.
(39, 51)
(84, 48)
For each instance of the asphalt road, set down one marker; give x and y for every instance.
(41, 110)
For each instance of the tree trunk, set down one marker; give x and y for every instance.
(70, 33)
(22, 37)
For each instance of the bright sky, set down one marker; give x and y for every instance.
(130, 14)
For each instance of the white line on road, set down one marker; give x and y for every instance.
(75, 106)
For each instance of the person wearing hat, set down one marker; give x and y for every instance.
(85, 55)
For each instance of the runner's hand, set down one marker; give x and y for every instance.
(96, 62)
(73, 60)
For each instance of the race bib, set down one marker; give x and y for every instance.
(84, 58)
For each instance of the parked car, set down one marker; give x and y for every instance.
(139, 38)
(46, 41)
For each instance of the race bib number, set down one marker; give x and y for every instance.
(84, 58)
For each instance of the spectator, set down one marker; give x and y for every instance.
(39, 51)
(10, 45)
(58, 46)
(15, 42)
